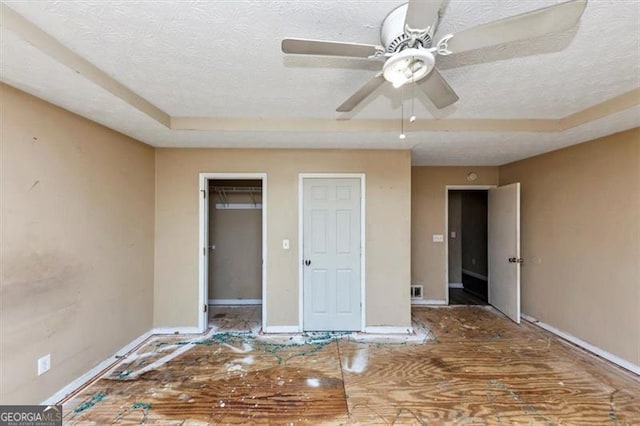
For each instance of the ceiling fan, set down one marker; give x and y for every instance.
(407, 36)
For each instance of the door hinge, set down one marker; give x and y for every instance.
(204, 251)
(204, 308)
(204, 193)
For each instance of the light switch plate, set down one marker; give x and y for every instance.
(438, 238)
(285, 244)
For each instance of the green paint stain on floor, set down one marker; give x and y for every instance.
(144, 405)
(91, 402)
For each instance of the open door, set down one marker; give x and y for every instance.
(504, 249)
(204, 247)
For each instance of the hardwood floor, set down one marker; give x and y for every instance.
(477, 368)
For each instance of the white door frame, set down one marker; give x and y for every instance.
(363, 209)
(204, 263)
(446, 227)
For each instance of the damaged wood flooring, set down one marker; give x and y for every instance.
(476, 368)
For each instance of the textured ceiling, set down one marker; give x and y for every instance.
(223, 58)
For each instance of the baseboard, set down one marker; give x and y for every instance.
(176, 330)
(456, 285)
(587, 346)
(475, 275)
(288, 329)
(235, 301)
(91, 374)
(428, 302)
(104, 365)
(388, 330)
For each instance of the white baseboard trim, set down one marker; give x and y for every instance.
(587, 346)
(475, 275)
(383, 329)
(428, 302)
(287, 329)
(91, 374)
(235, 301)
(176, 330)
(456, 285)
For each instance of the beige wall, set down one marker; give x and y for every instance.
(455, 244)
(77, 244)
(388, 228)
(580, 240)
(428, 189)
(235, 266)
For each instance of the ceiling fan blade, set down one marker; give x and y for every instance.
(422, 13)
(532, 24)
(438, 90)
(329, 48)
(361, 94)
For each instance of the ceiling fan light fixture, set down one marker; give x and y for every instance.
(407, 42)
(408, 66)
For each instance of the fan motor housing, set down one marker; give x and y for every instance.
(392, 34)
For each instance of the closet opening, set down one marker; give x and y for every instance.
(234, 258)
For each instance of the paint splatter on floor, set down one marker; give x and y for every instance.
(476, 367)
(99, 396)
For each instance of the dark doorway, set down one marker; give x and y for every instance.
(468, 260)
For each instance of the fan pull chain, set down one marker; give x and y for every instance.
(413, 99)
(402, 135)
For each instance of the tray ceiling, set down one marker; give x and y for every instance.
(223, 59)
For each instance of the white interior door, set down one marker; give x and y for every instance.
(504, 249)
(331, 254)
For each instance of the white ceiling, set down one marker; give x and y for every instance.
(223, 59)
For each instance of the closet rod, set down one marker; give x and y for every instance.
(228, 189)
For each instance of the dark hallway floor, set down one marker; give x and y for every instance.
(457, 296)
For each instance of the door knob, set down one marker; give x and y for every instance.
(307, 262)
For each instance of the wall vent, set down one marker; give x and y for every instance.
(416, 291)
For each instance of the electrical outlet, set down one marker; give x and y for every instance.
(44, 364)
(285, 244)
(438, 238)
